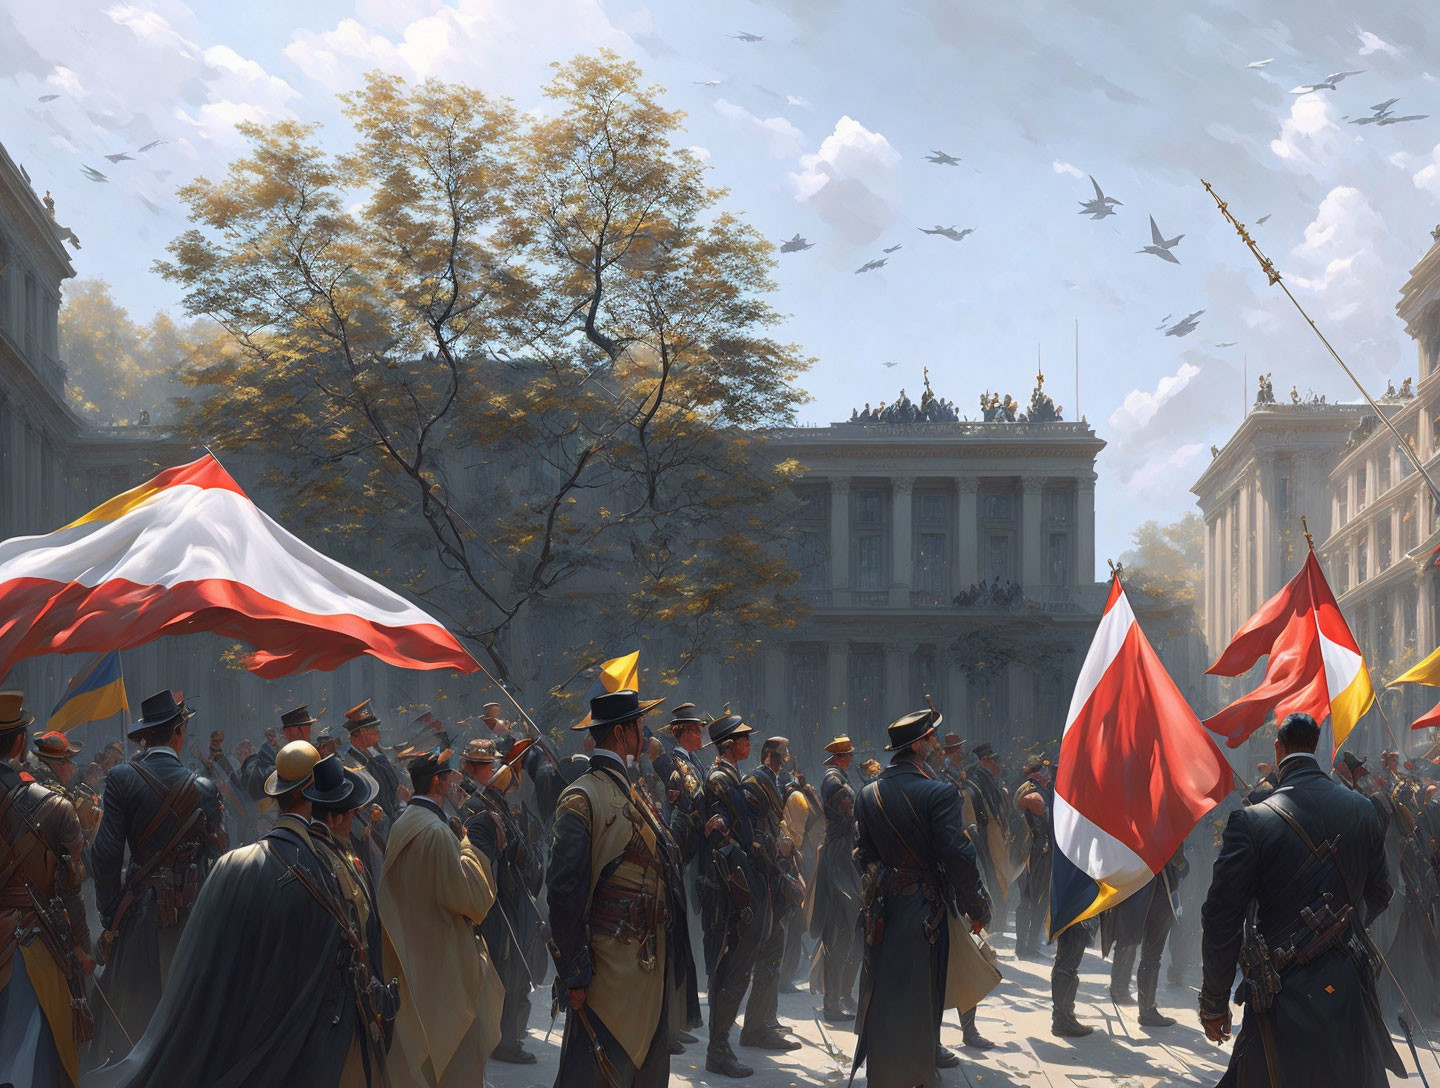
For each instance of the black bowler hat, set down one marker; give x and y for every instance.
(429, 764)
(160, 709)
(339, 789)
(297, 718)
(615, 707)
(983, 751)
(728, 727)
(915, 726)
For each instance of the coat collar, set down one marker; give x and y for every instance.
(1299, 765)
(428, 805)
(904, 769)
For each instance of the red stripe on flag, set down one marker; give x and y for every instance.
(1429, 719)
(1136, 762)
(43, 617)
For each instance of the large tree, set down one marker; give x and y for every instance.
(535, 354)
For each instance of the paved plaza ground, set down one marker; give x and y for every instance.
(1120, 1054)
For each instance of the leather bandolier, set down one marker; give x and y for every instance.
(40, 902)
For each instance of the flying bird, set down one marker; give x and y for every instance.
(153, 144)
(745, 36)
(947, 232)
(1378, 113)
(1390, 119)
(889, 365)
(870, 266)
(1259, 63)
(697, 82)
(1228, 344)
(93, 174)
(1163, 322)
(1161, 246)
(155, 209)
(1101, 206)
(942, 158)
(48, 97)
(120, 157)
(795, 245)
(892, 249)
(1261, 221)
(1326, 84)
(1186, 325)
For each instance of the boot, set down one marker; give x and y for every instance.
(1150, 1016)
(1064, 985)
(1067, 1026)
(767, 1038)
(1122, 970)
(685, 1037)
(1154, 1018)
(973, 1039)
(512, 1052)
(833, 1015)
(945, 1059)
(726, 1064)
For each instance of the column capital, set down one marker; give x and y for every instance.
(902, 484)
(1085, 481)
(840, 485)
(966, 485)
(1032, 484)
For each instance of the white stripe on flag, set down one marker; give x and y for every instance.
(1095, 852)
(1109, 637)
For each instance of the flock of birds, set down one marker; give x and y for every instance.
(92, 174)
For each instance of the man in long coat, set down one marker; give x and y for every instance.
(435, 889)
(610, 871)
(260, 989)
(835, 901)
(919, 873)
(1311, 857)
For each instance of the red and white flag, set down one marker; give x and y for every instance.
(188, 551)
(1315, 664)
(1136, 772)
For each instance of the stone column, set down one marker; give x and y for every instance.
(1085, 529)
(837, 681)
(1031, 517)
(1209, 594)
(1265, 534)
(902, 529)
(898, 656)
(1245, 573)
(840, 541)
(1372, 564)
(967, 533)
(1227, 576)
(956, 707)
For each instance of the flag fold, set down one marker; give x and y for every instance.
(1136, 772)
(188, 551)
(1314, 666)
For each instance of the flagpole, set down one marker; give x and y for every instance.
(1275, 280)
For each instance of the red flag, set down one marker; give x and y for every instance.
(1430, 718)
(1315, 666)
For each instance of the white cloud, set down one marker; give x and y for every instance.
(1371, 43)
(1139, 406)
(1066, 168)
(847, 181)
(1307, 134)
(701, 153)
(1343, 232)
(1160, 477)
(67, 81)
(796, 100)
(782, 139)
(1428, 176)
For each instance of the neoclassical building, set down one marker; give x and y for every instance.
(1371, 515)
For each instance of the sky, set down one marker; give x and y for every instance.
(823, 127)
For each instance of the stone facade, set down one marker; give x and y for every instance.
(1373, 524)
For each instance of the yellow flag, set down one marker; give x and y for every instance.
(617, 674)
(1426, 672)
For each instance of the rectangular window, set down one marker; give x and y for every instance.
(1362, 561)
(1360, 489)
(1342, 503)
(1344, 578)
(998, 564)
(932, 567)
(868, 550)
(932, 508)
(806, 688)
(866, 693)
(925, 678)
(868, 508)
(1059, 506)
(1058, 565)
(1383, 465)
(1382, 545)
(1282, 503)
(997, 508)
(813, 559)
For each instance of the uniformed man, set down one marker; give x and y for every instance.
(953, 768)
(608, 903)
(365, 754)
(734, 892)
(1311, 858)
(335, 795)
(44, 939)
(55, 766)
(1139, 927)
(921, 883)
(987, 812)
(1033, 798)
(217, 767)
(255, 770)
(272, 926)
(491, 826)
(804, 827)
(169, 822)
(774, 856)
(835, 900)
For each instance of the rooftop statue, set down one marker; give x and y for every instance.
(931, 409)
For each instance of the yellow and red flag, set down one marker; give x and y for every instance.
(1315, 664)
(188, 551)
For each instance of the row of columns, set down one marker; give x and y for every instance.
(967, 558)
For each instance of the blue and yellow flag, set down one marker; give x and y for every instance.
(96, 691)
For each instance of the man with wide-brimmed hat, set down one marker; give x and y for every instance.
(610, 890)
(435, 888)
(1033, 798)
(42, 988)
(336, 794)
(989, 811)
(263, 988)
(365, 754)
(170, 822)
(835, 901)
(491, 826)
(734, 899)
(952, 766)
(922, 893)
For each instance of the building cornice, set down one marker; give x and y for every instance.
(1246, 443)
(23, 200)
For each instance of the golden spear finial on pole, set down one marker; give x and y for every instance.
(1274, 277)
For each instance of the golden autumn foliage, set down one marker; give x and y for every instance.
(532, 354)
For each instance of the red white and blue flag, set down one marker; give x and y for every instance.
(1137, 771)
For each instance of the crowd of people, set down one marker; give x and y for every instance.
(329, 910)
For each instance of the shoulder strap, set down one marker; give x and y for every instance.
(170, 802)
(1272, 802)
(899, 835)
(18, 848)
